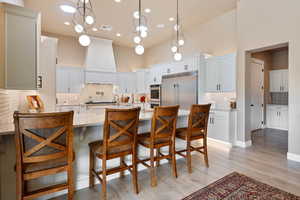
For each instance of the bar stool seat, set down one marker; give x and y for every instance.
(96, 147)
(145, 140)
(181, 133)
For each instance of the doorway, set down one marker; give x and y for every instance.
(269, 122)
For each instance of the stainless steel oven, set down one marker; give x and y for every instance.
(155, 95)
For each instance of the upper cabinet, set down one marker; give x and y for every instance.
(69, 79)
(221, 73)
(127, 82)
(100, 77)
(19, 47)
(279, 81)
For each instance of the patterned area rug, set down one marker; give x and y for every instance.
(236, 186)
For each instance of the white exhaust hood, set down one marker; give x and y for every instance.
(100, 56)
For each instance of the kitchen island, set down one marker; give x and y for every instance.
(88, 126)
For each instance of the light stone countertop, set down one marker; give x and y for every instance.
(89, 118)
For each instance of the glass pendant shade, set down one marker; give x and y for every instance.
(174, 49)
(78, 28)
(136, 15)
(137, 39)
(139, 49)
(85, 1)
(177, 56)
(84, 40)
(181, 42)
(89, 20)
(144, 34)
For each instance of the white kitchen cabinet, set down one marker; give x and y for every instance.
(221, 126)
(126, 82)
(155, 75)
(279, 81)
(141, 84)
(100, 77)
(69, 79)
(277, 117)
(20, 28)
(221, 73)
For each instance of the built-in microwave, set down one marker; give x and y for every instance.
(155, 94)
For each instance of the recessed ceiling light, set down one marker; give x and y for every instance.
(68, 9)
(118, 34)
(171, 19)
(147, 10)
(67, 23)
(94, 29)
(118, 1)
(160, 26)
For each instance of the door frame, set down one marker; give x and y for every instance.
(257, 61)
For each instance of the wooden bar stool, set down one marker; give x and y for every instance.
(44, 146)
(162, 134)
(196, 130)
(119, 140)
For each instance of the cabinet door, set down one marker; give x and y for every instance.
(140, 82)
(273, 120)
(21, 52)
(284, 118)
(75, 80)
(62, 80)
(285, 80)
(212, 75)
(275, 81)
(227, 73)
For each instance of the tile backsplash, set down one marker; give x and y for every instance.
(11, 101)
(280, 98)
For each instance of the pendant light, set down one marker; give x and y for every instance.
(141, 30)
(179, 39)
(84, 20)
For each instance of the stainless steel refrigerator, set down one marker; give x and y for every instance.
(180, 89)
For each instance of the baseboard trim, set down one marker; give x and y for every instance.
(243, 144)
(220, 142)
(293, 157)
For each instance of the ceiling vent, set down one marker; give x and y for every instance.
(106, 27)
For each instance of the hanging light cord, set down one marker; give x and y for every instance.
(140, 15)
(177, 28)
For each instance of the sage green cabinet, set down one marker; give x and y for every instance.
(20, 35)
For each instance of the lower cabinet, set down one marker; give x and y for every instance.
(277, 117)
(222, 126)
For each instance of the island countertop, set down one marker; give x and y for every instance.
(89, 118)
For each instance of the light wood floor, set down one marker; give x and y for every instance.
(264, 161)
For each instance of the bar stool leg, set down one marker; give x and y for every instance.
(205, 152)
(174, 168)
(134, 172)
(92, 167)
(104, 196)
(188, 156)
(157, 156)
(70, 183)
(122, 160)
(152, 168)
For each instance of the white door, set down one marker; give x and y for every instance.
(257, 94)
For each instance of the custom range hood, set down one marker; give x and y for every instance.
(100, 56)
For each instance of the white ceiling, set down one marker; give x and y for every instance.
(119, 16)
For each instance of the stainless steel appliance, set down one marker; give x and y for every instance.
(180, 89)
(155, 95)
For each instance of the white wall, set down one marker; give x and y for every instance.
(259, 26)
(217, 37)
